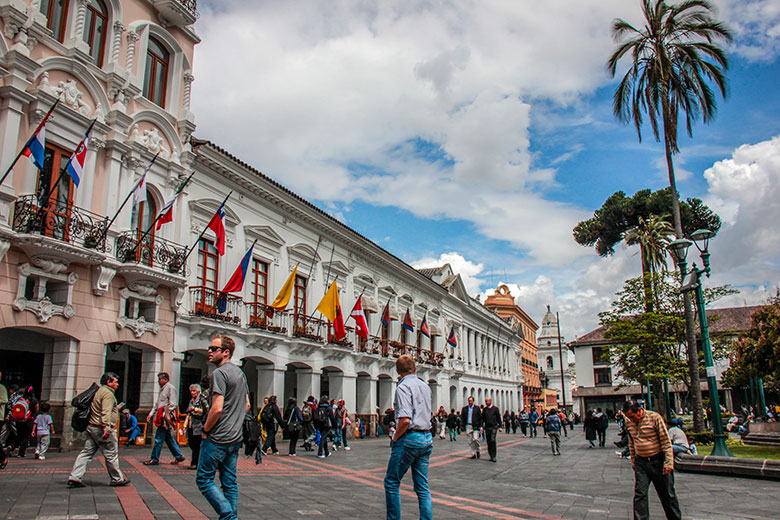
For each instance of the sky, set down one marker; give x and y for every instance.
(481, 133)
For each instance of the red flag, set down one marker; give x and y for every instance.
(217, 224)
(361, 326)
(408, 324)
(424, 327)
(166, 215)
(236, 282)
(451, 339)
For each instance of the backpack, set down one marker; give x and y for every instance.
(20, 411)
(306, 412)
(267, 414)
(320, 417)
(82, 404)
(251, 429)
(604, 422)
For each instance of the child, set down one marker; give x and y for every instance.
(44, 428)
(391, 432)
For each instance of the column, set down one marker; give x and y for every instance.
(188, 79)
(434, 397)
(10, 121)
(132, 38)
(81, 13)
(270, 381)
(366, 395)
(151, 361)
(61, 385)
(336, 385)
(308, 383)
(349, 391)
(119, 28)
(386, 387)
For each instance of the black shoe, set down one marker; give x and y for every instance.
(76, 484)
(492, 459)
(121, 483)
(477, 454)
(192, 466)
(473, 457)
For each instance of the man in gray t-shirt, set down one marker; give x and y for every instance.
(222, 431)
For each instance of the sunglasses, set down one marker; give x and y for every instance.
(213, 348)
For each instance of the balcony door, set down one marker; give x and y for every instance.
(56, 202)
(143, 216)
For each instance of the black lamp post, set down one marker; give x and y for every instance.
(692, 282)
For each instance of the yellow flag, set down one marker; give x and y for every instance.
(283, 298)
(330, 307)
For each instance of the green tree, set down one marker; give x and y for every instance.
(673, 60)
(652, 236)
(650, 345)
(757, 352)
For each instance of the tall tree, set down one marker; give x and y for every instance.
(652, 236)
(757, 352)
(674, 58)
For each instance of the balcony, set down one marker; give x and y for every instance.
(210, 303)
(153, 252)
(63, 222)
(177, 12)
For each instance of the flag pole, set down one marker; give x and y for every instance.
(181, 187)
(52, 185)
(191, 249)
(108, 226)
(327, 276)
(27, 143)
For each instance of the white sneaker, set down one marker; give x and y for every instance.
(41, 457)
(347, 448)
(321, 456)
(292, 454)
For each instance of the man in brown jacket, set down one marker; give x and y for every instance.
(101, 434)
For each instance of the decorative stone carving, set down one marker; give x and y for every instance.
(43, 309)
(153, 140)
(99, 114)
(41, 305)
(132, 37)
(178, 300)
(119, 28)
(69, 93)
(50, 265)
(144, 288)
(43, 82)
(130, 301)
(139, 326)
(101, 279)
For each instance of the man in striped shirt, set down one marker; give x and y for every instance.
(652, 460)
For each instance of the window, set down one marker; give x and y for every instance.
(95, 30)
(600, 355)
(602, 376)
(142, 217)
(156, 79)
(208, 264)
(549, 362)
(58, 200)
(56, 12)
(300, 295)
(259, 288)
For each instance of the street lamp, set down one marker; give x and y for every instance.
(692, 282)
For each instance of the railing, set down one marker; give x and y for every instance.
(64, 222)
(190, 5)
(262, 317)
(212, 304)
(343, 342)
(153, 251)
(307, 327)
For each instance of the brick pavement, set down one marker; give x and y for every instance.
(527, 482)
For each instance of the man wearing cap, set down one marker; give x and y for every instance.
(412, 442)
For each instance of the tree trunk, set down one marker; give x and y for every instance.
(690, 330)
(659, 400)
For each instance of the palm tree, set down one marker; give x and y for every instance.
(674, 57)
(652, 235)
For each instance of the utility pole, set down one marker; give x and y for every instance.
(560, 356)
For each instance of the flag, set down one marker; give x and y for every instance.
(76, 163)
(236, 282)
(139, 190)
(166, 215)
(408, 324)
(330, 307)
(283, 298)
(451, 338)
(357, 314)
(36, 146)
(424, 327)
(217, 224)
(386, 315)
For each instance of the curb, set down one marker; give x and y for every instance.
(729, 466)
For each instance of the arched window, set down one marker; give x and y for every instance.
(56, 12)
(142, 217)
(156, 79)
(549, 362)
(95, 30)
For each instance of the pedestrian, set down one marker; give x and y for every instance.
(589, 425)
(412, 442)
(524, 420)
(441, 416)
(513, 422)
(309, 432)
(678, 438)
(553, 426)
(271, 420)
(222, 431)
(293, 420)
(101, 435)
(165, 417)
(652, 459)
(452, 425)
(533, 419)
(323, 420)
(601, 423)
(44, 429)
(338, 429)
(346, 423)
(197, 411)
(23, 413)
(491, 422)
(562, 417)
(472, 419)
(8, 432)
(251, 435)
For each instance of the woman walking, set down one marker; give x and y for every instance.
(197, 411)
(293, 420)
(589, 425)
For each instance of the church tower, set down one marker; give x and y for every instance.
(550, 359)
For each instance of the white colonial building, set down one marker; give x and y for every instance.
(551, 348)
(80, 297)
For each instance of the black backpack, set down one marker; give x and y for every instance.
(320, 418)
(82, 404)
(267, 415)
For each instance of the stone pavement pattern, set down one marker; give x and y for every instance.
(527, 482)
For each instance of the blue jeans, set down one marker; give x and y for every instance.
(411, 451)
(214, 457)
(166, 435)
(337, 435)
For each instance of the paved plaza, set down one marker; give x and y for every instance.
(527, 482)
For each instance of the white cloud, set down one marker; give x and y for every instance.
(756, 27)
(468, 270)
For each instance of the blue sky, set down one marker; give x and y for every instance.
(481, 134)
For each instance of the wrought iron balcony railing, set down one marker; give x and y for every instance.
(262, 317)
(212, 304)
(62, 221)
(154, 252)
